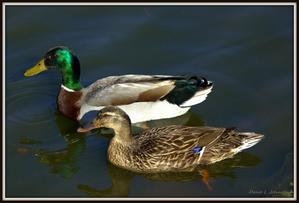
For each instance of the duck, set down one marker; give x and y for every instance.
(173, 148)
(142, 97)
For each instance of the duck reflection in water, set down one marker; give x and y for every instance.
(64, 161)
(121, 179)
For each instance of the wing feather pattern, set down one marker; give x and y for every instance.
(126, 89)
(173, 139)
(169, 146)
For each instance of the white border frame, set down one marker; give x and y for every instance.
(151, 4)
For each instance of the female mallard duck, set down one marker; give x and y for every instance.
(171, 148)
(141, 96)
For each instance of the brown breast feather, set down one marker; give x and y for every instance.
(68, 103)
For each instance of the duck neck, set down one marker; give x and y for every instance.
(70, 69)
(123, 133)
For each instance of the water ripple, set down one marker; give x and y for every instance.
(30, 102)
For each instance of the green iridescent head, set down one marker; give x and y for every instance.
(67, 63)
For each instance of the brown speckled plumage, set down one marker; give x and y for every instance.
(169, 148)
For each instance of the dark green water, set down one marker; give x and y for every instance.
(246, 50)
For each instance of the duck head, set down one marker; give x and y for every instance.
(110, 117)
(65, 61)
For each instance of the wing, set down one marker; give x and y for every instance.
(175, 140)
(126, 89)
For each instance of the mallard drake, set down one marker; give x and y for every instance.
(142, 97)
(170, 148)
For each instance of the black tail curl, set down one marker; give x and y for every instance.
(185, 88)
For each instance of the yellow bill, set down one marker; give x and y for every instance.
(38, 68)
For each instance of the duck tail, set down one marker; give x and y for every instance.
(189, 90)
(228, 144)
(248, 139)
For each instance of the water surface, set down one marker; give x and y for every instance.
(247, 51)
